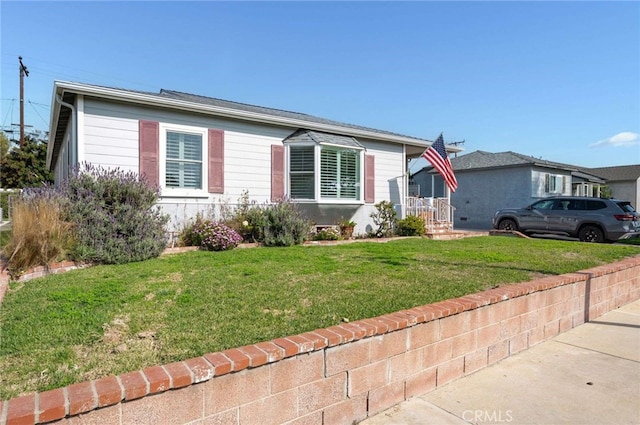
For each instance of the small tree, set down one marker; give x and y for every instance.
(25, 166)
(385, 218)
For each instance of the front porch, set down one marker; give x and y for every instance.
(437, 214)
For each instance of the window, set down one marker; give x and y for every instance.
(301, 174)
(595, 205)
(184, 160)
(340, 174)
(554, 183)
(543, 205)
(332, 172)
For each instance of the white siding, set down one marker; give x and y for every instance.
(389, 169)
(111, 140)
(247, 164)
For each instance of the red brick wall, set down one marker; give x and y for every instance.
(343, 373)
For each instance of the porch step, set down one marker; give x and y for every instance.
(439, 227)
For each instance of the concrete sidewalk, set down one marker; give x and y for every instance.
(588, 375)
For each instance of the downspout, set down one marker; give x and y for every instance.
(74, 145)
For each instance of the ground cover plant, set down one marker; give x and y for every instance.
(111, 319)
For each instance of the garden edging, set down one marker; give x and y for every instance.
(344, 373)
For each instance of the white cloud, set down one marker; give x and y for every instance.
(624, 139)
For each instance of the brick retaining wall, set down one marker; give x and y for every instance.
(345, 373)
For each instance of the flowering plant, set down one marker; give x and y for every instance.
(216, 236)
(327, 234)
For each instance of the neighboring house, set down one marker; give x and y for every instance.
(624, 181)
(204, 153)
(490, 181)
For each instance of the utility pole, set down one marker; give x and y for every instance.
(23, 72)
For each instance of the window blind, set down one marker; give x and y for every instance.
(184, 160)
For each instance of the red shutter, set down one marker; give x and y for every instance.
(369, 179)
(216, 161)
(277, 173)
(149, 151)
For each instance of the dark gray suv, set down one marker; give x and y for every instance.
(589, 219)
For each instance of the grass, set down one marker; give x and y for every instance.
(105, 320)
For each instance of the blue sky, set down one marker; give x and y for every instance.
(556, 80)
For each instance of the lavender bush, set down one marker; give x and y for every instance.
(114, 216)
(284, 225)
(216, 236)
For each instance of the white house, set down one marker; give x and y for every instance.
(204, 153)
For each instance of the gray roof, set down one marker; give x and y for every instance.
(619, 173)
(204, 100)
(317, 137)
(60, 115)
(481, 159)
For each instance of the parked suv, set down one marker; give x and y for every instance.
(589, 219)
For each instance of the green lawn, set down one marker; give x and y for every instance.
(107, 320)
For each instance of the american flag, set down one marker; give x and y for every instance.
(437, 156)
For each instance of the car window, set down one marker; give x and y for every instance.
(596, 205)
(626, 206)
(546, 204)
(577, 204)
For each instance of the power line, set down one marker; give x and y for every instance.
(7, 118)
(38, 113)
(78, 75)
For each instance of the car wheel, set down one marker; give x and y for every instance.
(591, 234)
(508, 224)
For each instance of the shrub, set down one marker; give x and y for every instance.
(384, 218)
(39, 235)
(410, 226)
(115, 217)
(188, 236)
(247, 218)
(254, 224)
(216, 236)
(283, 225)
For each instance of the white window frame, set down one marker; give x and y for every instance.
(554, 183)
(317, 174)
(182, 192)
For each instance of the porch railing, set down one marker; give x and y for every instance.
(437, 213)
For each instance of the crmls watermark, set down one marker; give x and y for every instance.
(493, 416)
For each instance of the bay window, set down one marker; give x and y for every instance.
(301, 172)
(325, 173)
